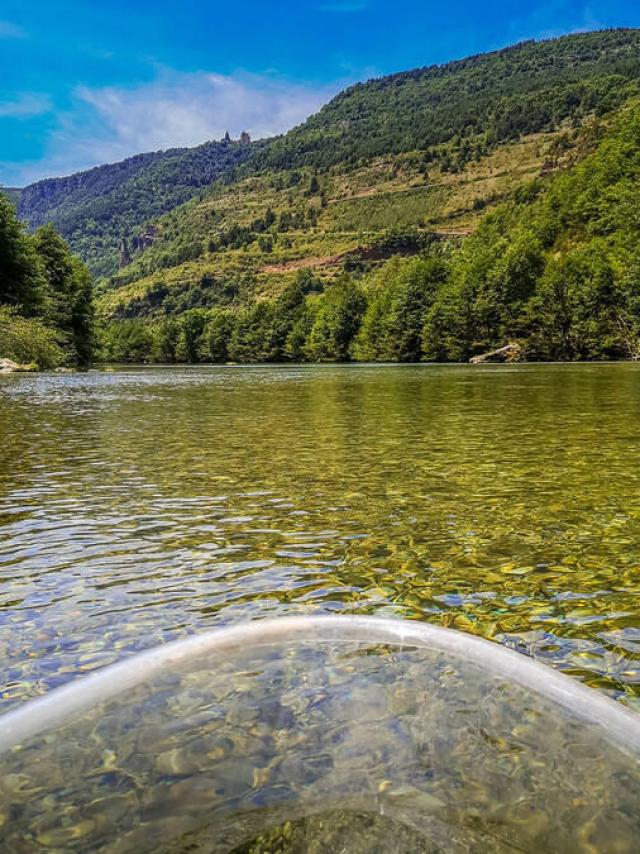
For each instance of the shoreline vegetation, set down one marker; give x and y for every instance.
(46, 299)
(484, 210)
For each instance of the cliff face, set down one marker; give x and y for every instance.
(139, 242)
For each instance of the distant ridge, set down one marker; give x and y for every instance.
(448, 113)
(96, 208)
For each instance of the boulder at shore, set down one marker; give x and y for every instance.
(508, 353)
(7, 366)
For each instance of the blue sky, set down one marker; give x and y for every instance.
(93, 81)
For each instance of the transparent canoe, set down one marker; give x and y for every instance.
(322, 734)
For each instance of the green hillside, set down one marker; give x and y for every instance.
(555, 268)
(448, 116)
(394, 167)
(95, 210)
(529, 88)
(405, 221)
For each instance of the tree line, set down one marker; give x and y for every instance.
(484, 100)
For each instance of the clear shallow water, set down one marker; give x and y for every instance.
(350, 734)
(143, 505)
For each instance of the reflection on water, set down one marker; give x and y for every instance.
(142, 505)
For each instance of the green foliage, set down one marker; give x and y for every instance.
(39, 278)
(557, 269)
(472, 103)
(21, 281)
(69, 306)
(253, 338)
(556, 266)
(263, 332)
(391, 329)
(165, 341)
(336, 323)
(214, 346)
(128, 341)
(448, 116)
(387, 210)
(191, 329)
(27, 340)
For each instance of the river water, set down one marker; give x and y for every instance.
(141, 505)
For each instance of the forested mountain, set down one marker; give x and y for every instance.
(555, 269)
(479, 101)
(97, 209)
(451, 114)
(430, 215)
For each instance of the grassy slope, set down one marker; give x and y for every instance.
(361, 204)
(431, 148)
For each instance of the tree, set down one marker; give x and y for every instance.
(336, 323)
(215, 338)
(83, 316)
(68, 303)
(167, 335)
(191, 328)
(22, 283)
(129, 341)
(253, 338)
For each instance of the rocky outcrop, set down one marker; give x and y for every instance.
(509, 353)
(145, 239)
(139, 243)
(8, 366)
(125, 255)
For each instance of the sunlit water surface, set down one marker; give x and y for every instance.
(141, 505)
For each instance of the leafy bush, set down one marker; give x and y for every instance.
(26, 340)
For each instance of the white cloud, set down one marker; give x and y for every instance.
(177, 109)
(9, 30)
(27, 104)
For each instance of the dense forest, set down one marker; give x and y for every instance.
(478, 102)
(46, 297)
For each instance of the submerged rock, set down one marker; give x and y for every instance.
(508, 353)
